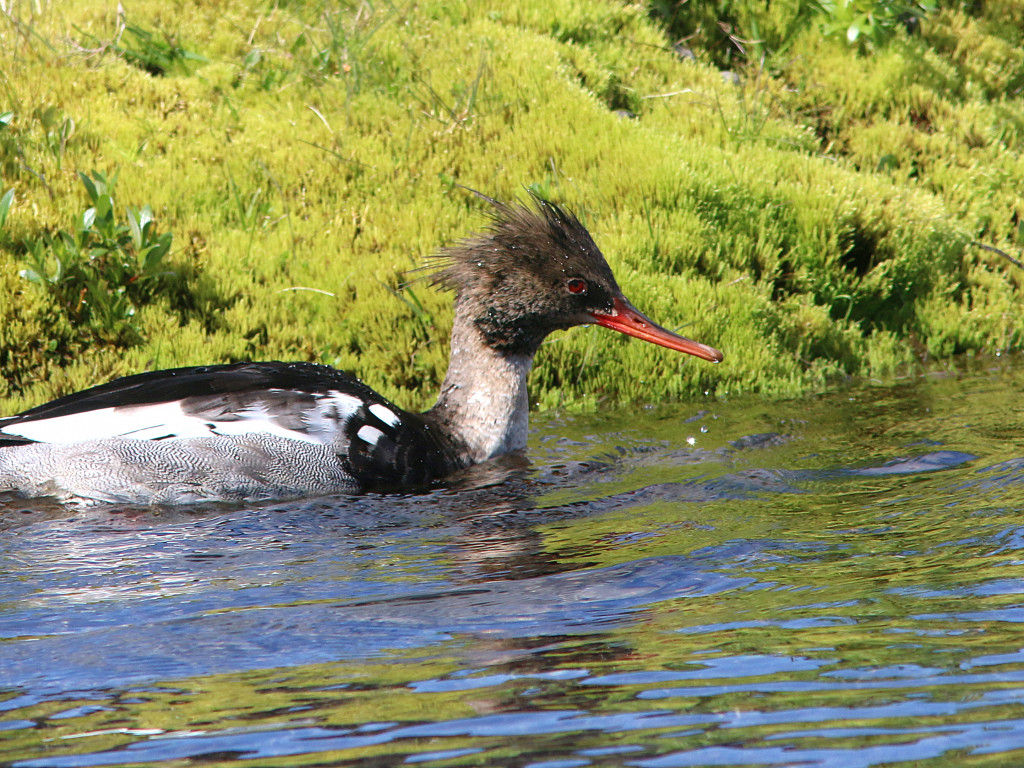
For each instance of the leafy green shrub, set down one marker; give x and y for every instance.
(103, 270)
(872, 21)
(736, 33)
(158, 53)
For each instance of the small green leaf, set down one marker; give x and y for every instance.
(69, 243)
(104, 207)
(156, 252)
(887, 163)
(252, 58)
(90, 187)
(49, 117)
(136, 229)
(5, 206)
(145, 217)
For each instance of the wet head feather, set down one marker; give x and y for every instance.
(544, 240)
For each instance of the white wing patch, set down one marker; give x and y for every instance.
(369, 434)
(145, 422)
(385, 414)
(321, 422)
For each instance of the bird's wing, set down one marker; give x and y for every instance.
(300, 401)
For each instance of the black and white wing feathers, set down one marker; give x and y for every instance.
(389, 448)
(376, 442)
(297, 400)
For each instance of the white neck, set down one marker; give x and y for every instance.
(483, 400)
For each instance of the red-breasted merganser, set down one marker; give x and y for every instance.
(259, 431)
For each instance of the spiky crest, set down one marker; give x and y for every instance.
(541, 238)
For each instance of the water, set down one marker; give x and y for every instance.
(831, 582)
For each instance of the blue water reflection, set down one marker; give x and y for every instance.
(842, 590)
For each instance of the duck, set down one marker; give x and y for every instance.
(268, 431)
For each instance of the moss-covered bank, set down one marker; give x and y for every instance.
(814, 211)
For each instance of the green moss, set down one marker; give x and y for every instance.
(815, 220)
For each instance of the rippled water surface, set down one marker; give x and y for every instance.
(831, 582)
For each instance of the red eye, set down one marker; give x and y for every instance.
(576, 285)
